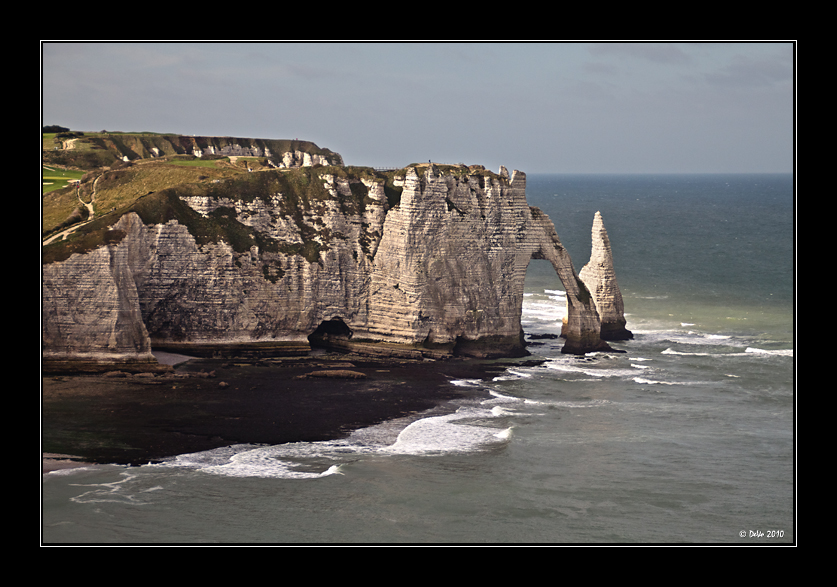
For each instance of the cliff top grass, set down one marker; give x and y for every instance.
(54, 178)
(163, 167)
(88, 150)
(120, 186)
(116, 190)
(458, 170)
(154, 190)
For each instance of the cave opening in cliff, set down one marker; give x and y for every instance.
(330, 334)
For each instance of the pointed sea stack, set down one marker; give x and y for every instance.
(599, 277)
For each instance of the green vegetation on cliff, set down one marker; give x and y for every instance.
(91, 175)
(155, 191)
(162, 170)
(91, 150)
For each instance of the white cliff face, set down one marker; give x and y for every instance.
(600, 278)
(211, 294)
(452, 264)
(291, 159)
(441, 272)
(90, 306)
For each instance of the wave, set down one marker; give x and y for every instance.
(468, 429)
(779, 352)
(549, 306)
(497, 396)
(749, 351)
(544, 312)
(512, 375)
(593, 403)
(670, 351)
(467, 382)
(448, 434)
(129, 490)
(305, 460)
(688, 337)
(644, 381)
(596, 372)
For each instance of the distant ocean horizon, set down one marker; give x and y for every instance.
(686, 437)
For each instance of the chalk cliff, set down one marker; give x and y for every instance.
(600, 279)
(98, 149)
(330, 255)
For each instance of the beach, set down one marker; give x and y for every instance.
(119, 418)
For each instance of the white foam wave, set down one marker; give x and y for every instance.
(466, 430)
(496, 395)
(597, 372)
(593, 403)
(779, 352)
(466, 382)
(542, 312)
(540, 308)
(447, 434)
(498, 411)
(701, 338)
(305, 460)
(129, 490)
(749, 351)
(670, 351)
(644, 381)
(512, 375)
(688, 337)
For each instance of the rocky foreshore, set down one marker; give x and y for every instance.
(136, 418)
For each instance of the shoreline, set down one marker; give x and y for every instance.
(51, 462)
(125, 419)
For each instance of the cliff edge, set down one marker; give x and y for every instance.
(428, 261)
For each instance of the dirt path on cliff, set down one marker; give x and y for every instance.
(90, 216)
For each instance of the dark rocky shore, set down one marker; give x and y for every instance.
(203, 404)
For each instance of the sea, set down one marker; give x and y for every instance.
(686, 437)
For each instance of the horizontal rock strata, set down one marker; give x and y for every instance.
(333, 257)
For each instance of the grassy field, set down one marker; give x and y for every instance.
(112, 184)
(55, 178)
(119, 188)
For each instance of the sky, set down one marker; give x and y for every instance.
(552, 107)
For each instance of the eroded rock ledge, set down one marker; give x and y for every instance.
(328, 258)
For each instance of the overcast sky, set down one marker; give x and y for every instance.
(537, 107)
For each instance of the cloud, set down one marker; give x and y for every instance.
(534, 106)
(655, 52)
(753, 71)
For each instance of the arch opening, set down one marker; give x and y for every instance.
(544, 309)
